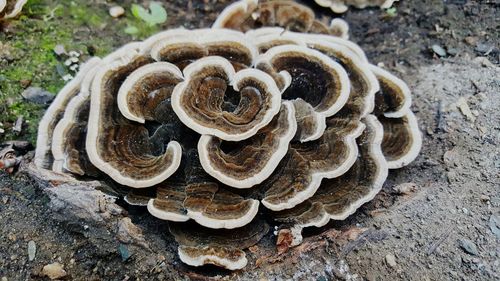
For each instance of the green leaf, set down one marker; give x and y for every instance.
(392, 12)
(131, 30)
(156, 14)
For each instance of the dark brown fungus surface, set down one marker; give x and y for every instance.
(342, 196)
(252, 14)
(402, 137)
(201, 126)
(249, 162)
(216, 100)
(199, 246)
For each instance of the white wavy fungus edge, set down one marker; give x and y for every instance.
(17, 8)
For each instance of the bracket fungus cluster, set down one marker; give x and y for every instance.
(267, 117)
(10, 8)
(341, 6)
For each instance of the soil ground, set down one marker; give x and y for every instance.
(445, 228)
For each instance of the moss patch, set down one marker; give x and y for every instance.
(28, 58)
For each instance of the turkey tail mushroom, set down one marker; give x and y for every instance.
(201, 126)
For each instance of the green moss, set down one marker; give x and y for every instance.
(43, 25)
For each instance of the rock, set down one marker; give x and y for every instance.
(390, 259)
(469, 247)
(484, 48)
(25, 83)
(59, 50)
(37, 95)
(438, 50)
(405, 188)
(18, 126)
(129, 233)
(54, 271)
(453, 51)
(471, 40)
(494, 225)
(82, 201)
(465, 109)
(485, 62)
(124, 252)
(31, 250)
(116, 11)
(484, 198)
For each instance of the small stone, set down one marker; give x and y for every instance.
(31, 250)
(465, 109)
(4, 278)
(494, 225)
(124, 252)
(130, 233)
(390, 259)
(25, 83)
(116, 11)
(471, 40)
(54, 271)
(18, 126)
(483, 61)
(452, 51)
(484, 48)
(469, 247)
(37, 95)
(484, 198)
(438, 50)
(59, 50)
(405, 188)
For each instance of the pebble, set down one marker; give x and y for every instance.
(484, 48)
(439, 50)
(129, 232)
(37, 95)
(469, 247)
(484, 198)
(124, 252)
(31, 250)
(54, 271)
(485, 62)
(494, 225)
(18, 126)
(116, 11)
(405, 188)
(390, 259)
(59, 50)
